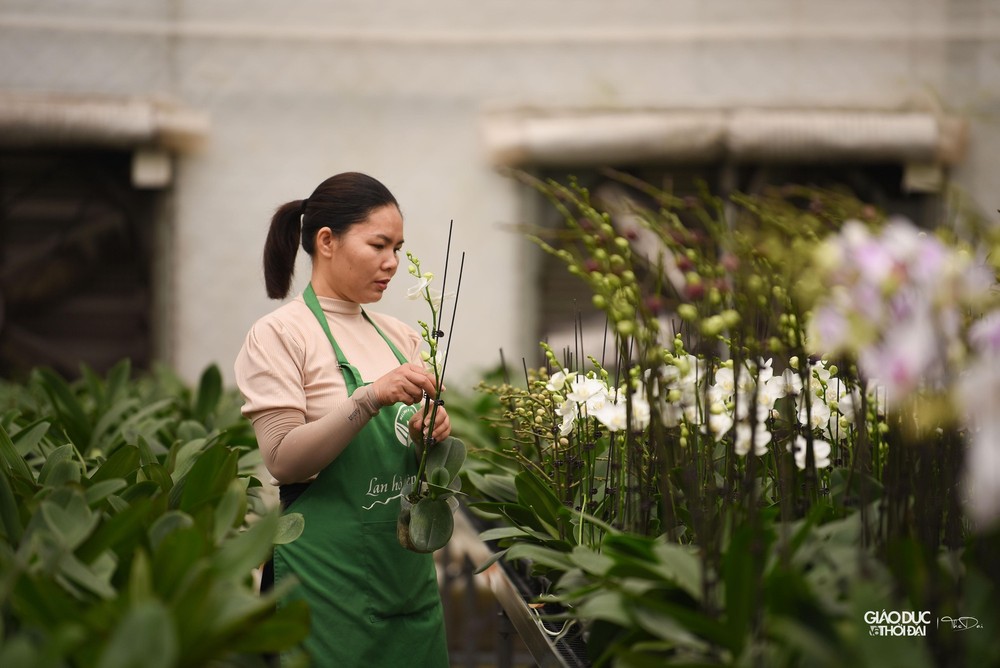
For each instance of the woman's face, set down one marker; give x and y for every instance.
(358, 265)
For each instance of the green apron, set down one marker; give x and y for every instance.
(372, 602)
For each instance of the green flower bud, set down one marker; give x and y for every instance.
(712, 326)
(625, 327)
(730, 318)
(687, 312)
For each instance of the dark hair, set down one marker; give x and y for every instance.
(338, 203)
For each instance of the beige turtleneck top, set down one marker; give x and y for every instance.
(294, 392)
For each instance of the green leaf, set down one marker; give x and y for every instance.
(63, 472)
(493, 486)
(167, 523)
(56, 457)
(177, 559)
(448, 454)
(431, 525)
(70, 525)
(27, 440)
(9, 515)
(185, 457)
(99, 491)
(145, 638)
(290, 527)
(87, 576)
(71, 417)
(106, 428)
(535, 495)
(285, 629)
(500, 533)
(121, 531)
(538, 554)
(209, 393)
(439, 476)
(230, 510)
(14, 461)
(122, 463)
(239, 555)
(208, 478)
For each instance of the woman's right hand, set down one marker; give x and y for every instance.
(406, 383)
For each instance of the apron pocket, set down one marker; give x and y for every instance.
(398, 582)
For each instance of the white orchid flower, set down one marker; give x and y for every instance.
(582, 388)
(557, 381)
(821, 452)
(417, 291)
(761, 437)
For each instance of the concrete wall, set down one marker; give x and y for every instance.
(301, 89)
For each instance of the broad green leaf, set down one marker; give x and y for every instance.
(185, 457)
(439, 476)
(167, 523)
(535, 495)
(209, 393)
(290, 527)
(538, 554)
(121, 464)
(117, 383)
(494, 486)
(60, 454)
(606, 605)
(590, 561)
(14, 461)
(27, 440)
(40, 601)
(106, 429)
(230, 510)
(191, 430)
(430, 526)
(288, 627)
(71, 417)
(178, 561)
(140, 579)
(70, 525)
(155, 472)
(100, 491)
(146, 638)
(449, 454)
(9, 515)
(247, 550)
(499, 533)
(62, 472)
(121, 532)
(208, 478)
(95, 578)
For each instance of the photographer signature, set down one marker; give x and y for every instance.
(961, 623)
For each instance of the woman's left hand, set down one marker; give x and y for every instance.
(420, 423)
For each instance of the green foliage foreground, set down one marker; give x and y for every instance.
(130, 525)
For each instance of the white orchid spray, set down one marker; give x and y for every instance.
(425, 521)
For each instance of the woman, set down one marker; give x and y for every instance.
(330, 389)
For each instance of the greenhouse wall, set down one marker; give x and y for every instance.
(270, 98)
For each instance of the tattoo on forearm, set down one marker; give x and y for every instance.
(355, 415)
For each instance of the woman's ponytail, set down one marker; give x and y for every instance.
(280, 248)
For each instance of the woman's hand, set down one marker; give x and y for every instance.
(407, 383)
(421, 422)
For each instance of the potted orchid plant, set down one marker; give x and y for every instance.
(425, 522)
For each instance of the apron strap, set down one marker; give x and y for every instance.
(351, 376)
